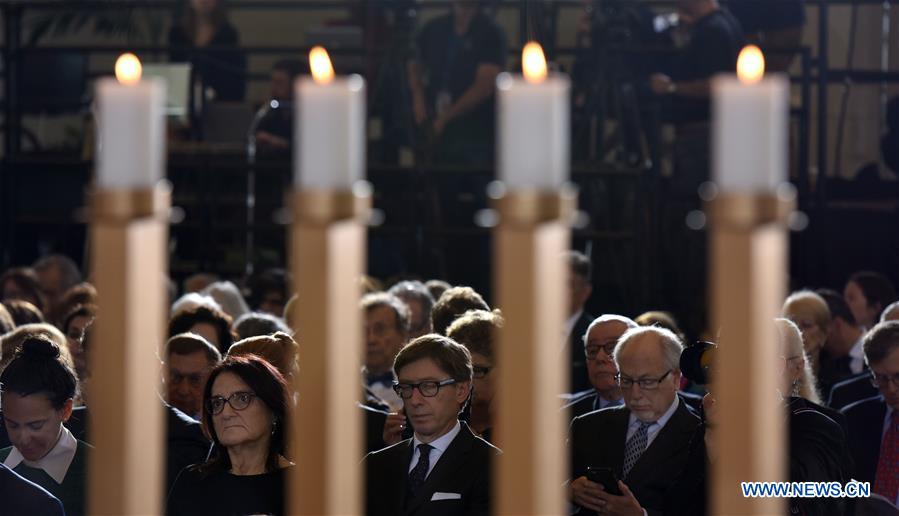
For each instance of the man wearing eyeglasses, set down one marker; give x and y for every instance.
(443, 469)
(874, 422)
(599, 343)
(646, 441)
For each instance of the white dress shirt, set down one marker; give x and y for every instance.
(439, 446)
(55, 463)
(857, 356)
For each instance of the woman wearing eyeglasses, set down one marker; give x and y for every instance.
(245, 404)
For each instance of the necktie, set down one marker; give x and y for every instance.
(886, 480)
(635, 447)
(420, 471)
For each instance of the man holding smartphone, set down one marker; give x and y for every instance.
(644, 443)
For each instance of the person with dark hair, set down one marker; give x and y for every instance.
(220, 70)
(453, 303)
(478, 330)
(74, 326)
(188, 360)
(386, 331)
(268, 291)
(23, 312)
(419, 300)
(443, 457)
(81, 294)
(580, 288)
(56, 273)
(275, 129)
(245, 408)
(39, 389)
(255, 324)
(874, 422)
(841, 363)
(867, 293)
(21, 283)
(452, 78)
(210, 323)
(437, 287)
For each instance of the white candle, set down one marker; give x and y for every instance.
(329, 140)
(533, 125)
(749, 129)
(131, 128)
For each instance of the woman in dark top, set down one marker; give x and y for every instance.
(39, 388)
(245, 408)
(221, 67)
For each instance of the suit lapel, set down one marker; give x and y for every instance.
(669, 441)
(397, 477)
(449, 462)
(614, 452)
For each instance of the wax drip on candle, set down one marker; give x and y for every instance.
(533, 62)
(320, 65)
(128, 69)
(750, 65)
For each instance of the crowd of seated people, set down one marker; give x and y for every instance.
(428, 397)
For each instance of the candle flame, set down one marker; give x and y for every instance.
(750, 65)
(320, 64)
(128, 69)
(533, 62)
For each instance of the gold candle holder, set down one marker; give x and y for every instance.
(327, 243)
(129, 230)
(530, 276)
(748, 276)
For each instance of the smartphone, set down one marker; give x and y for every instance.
(605, 477)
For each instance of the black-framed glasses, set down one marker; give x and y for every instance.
(646, 384)
(238, 400)
(591, 350)
(882, 381)
(480, 371)
(428, 389)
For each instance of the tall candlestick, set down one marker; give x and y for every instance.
(749, 127)
(329, 147)
(533, 113)
(131, 124)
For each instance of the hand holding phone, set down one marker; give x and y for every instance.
(606, 477)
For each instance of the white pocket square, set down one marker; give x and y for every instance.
(446, 496)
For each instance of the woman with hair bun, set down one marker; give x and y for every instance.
(38, 392)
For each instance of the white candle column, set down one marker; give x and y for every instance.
(534, 208)
(129, 229)
(330, 204)
(329, 146)
(533, 132)
(748, 264)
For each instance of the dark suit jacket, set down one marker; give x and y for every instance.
(865, 420)
(464, 468)
(818, 453)
(598, 438)
(578, 364)
(849, 391)
(19, 496)
(374, 427)
(185, 444)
